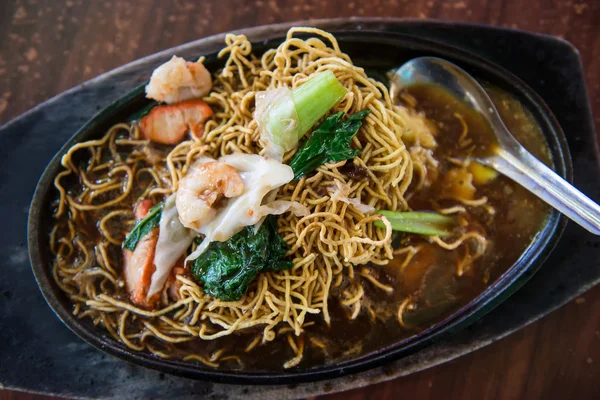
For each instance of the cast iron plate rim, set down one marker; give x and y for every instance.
(466, 315)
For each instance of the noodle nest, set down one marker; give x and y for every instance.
(104, 178)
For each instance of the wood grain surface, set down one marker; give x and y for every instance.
(49, 46)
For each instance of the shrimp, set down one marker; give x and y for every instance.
(168, 124)
(202, 190)
(178, 80)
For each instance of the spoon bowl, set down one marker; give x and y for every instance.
(508, 157)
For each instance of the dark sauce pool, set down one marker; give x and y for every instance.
(517, 214)
(430, 279)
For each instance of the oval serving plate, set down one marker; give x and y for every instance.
(376, 51)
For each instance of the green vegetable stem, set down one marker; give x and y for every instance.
(306, 105)
(420, 222)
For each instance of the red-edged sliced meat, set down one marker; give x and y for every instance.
(139, 264)
(168, 124)
(173, 284)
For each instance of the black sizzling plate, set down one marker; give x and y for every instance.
(372, 50)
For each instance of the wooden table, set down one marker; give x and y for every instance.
(48, 46)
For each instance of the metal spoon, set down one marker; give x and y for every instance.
(510, 158)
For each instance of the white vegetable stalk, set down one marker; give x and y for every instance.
(173, 240)
(285, 115)
(278, 124)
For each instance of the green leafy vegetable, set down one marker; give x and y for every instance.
(424, 223)
(138, 115)
(143, 227)
(330, 142)
(227, 268)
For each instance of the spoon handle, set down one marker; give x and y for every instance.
(522, 167)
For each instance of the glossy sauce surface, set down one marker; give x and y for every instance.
(430, 279)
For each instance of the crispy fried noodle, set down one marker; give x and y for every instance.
(330, 244)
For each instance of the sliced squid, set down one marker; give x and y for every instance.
(259, 175)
